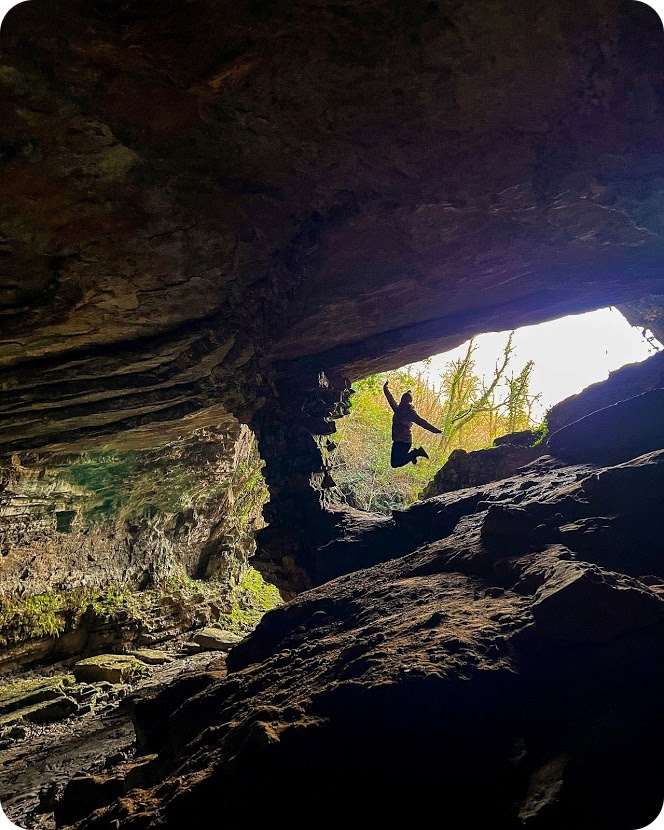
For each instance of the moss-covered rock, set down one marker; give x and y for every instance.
(23, 693)
(114, 668)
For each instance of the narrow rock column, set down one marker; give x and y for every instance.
(293, 432)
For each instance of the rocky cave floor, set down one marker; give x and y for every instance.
(499, 645)
(38, 759)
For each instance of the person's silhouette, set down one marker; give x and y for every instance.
(402, 436)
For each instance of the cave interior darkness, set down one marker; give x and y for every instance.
(214, 217)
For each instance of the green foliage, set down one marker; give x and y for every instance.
(46, 615)
(252, 598)
(250, 491)
(38, 616)
(542, 432)
(470, 412)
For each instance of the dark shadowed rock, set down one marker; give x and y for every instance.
(469, 469)
(614, 434)
(581, 603)
(499, 670)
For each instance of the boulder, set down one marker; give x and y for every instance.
(151, 656)
(471, 469)
(581, 603)
(215, 639)
(113, 668)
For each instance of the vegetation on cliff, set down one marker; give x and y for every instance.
(238, 607)
(186, 509)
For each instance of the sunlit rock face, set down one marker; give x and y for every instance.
(130, 519)
(198, 199)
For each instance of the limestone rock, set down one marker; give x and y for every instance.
(151, 656)
(113, 668)
(51, 710)
(23, 693)
(215, 639)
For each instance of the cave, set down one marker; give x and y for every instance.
(214, 218)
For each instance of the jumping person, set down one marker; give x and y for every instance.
(402, 420)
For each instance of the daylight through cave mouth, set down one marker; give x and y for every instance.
(493, 385)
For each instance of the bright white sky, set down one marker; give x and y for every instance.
(569, 354)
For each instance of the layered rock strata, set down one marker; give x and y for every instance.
(509, 666)
(130, 518)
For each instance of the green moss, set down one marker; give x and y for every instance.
(49, 615)
(252, 598)
(250, 490)
(37, 616)
(182, 583)
(542, 432)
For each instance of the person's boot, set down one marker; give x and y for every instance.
(420, 452)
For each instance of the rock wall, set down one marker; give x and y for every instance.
(130, 518)
(294, 441)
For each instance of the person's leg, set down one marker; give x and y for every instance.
(400, 454)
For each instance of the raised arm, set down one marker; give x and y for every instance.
(389, 395)
(421, 422)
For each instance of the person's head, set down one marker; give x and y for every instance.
(406, 398)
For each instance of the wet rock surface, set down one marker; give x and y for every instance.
(39, 756)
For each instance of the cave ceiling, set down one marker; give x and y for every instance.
(200, 199)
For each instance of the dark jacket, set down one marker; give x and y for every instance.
(403, 419)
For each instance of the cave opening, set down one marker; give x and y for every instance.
(492, 386)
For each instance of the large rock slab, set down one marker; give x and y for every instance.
(578, 603)
(614, 434)
(22, 693)
(113, 668)
(215, 639)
